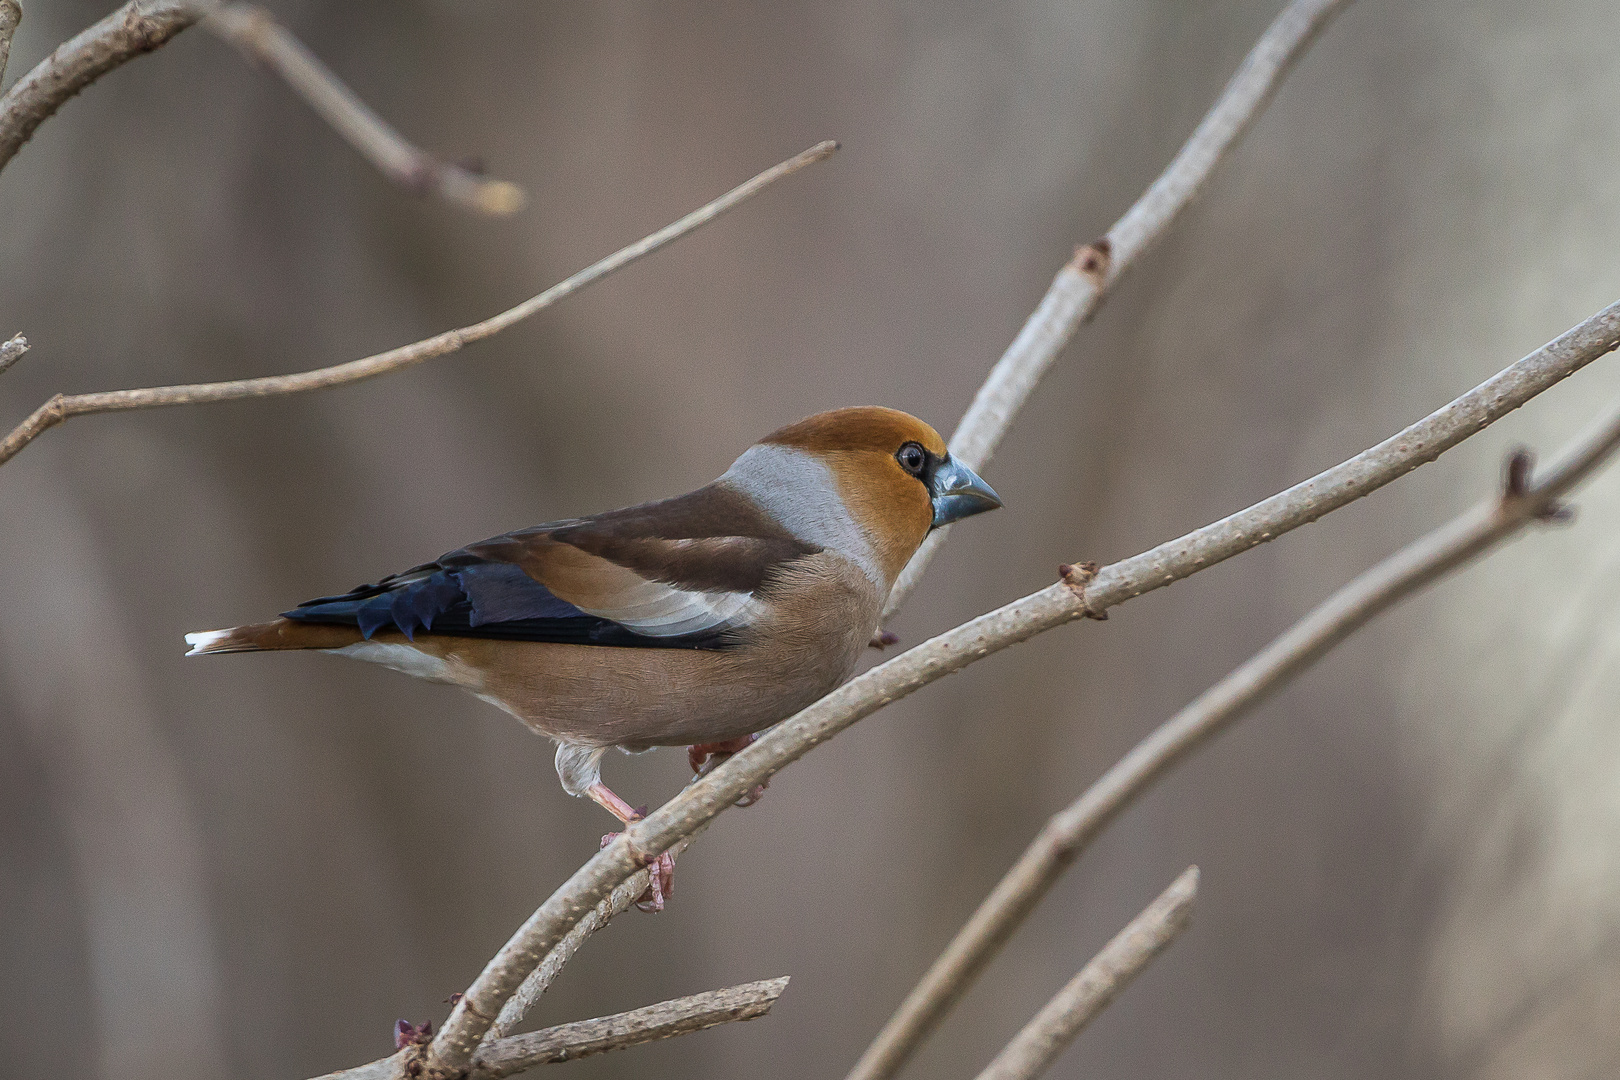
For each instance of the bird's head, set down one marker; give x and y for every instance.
(867, 475)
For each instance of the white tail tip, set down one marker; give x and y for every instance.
(203, 641)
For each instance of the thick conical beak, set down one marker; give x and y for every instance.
(958, 493)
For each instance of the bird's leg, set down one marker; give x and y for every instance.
(705, 756)
(661, 875)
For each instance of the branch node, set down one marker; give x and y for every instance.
(1516, 474)
(1518, 490)
(1094, 260)
(1077, 578)
(409, 1034)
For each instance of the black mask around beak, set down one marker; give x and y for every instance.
(958, 492)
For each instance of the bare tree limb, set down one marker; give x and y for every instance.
(138, 27)
(257, 35)
(569, 1042)
(1083, 283)
(13, 348)
(10, 16)
(1032, 1051)
(1070, 831)
(540, 979)
(61, 407)
(1079, 595)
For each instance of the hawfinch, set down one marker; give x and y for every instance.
(694, 621)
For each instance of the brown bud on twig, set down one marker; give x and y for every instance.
(1077, 577)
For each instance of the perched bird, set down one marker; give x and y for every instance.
(697, 620)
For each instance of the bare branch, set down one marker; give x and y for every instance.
(10, 16)
(663, 1021)
(258, 36)
(541, 978)
(1083, 283)
(1032, 1050)
(138, 27)
(1068, 832)
(955, 649)
(61, 407)
(568, 1042)
(13, 348)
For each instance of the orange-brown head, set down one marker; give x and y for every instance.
(888, 472)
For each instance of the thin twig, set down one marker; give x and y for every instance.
(138, 27)
(1068, 832)
(13, 348)
(569, 1042)
(257, 35)
(1079, 595)
(1032, 1051)
(10, 16)
(61, 407)
(1083, 283)
(540, 979)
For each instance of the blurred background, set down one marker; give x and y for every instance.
(251, 866)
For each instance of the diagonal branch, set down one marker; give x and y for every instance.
(1083, 283)
(138, 27)
(1070, 831)
(540, 979)
(568, 1042)
(61, 407)
(1032, 1051)
(257, 35)
(1079, 595)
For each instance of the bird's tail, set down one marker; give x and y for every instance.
(276, 634)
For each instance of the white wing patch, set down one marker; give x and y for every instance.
(659, 610)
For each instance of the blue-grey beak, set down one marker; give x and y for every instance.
(958, 492)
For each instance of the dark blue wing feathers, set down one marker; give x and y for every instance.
(466, 596)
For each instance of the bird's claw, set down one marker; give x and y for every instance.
(660, 879)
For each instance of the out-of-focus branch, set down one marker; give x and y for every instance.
(261, 39)
(1032, 1051)
(1068, 832)
(568, 1042)
(61, 407)
(10, 16)
(138, 27)
(11, 350)
(1080, 594)
(1086, 279)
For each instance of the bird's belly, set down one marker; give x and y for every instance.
(638, 698)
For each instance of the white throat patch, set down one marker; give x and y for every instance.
(799, 490)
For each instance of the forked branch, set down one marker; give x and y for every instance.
(136, 28)
(1068, 833)
(141, 26)
(61, 407)
(1054, 606)
(583, 1038)
(1085, 280)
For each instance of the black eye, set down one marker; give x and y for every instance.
(912, 458)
